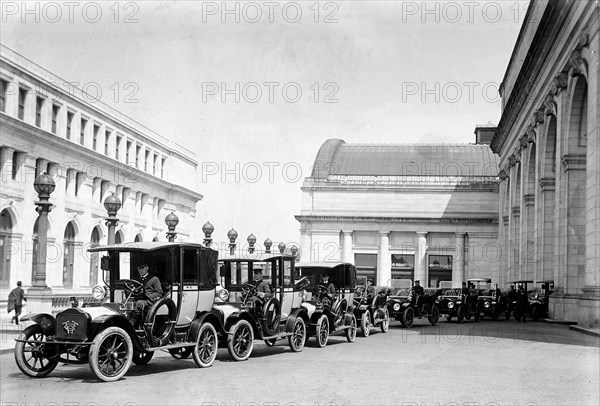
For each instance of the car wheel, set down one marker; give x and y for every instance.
(351, 332)
(181, 353)
(142, 358)
(296, 340)
(207, 343)
(535, 313)
(435, 316)
(408, 317)
(240, 341)
(460, 314)
(30, 357)
(322, 331)
(385, 324)
(365, 324)
(271, 342)
(111, 354)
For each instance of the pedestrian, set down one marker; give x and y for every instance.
(522, 304)
(15, 301)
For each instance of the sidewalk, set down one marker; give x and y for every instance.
(8, 332)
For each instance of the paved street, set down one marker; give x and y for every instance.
(486, 363)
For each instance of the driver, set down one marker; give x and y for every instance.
(262, 287)
(151, 293)
(416, 290)
(330, 294)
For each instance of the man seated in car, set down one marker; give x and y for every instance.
(330, 294)
(152, 291)
(263, 291)
(417, 293)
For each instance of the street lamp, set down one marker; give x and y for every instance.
(251, 241)
(232, 235)
(207, 229)
(112, 204)
(268, 243)
(281, 247)
(171, 221)
(294, 250)
(44, 186)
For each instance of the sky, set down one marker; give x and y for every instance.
(255, 88)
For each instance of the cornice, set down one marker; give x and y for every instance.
(420, 220)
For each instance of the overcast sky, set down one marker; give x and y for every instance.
(363, 71)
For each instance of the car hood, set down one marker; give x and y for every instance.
(99, 311)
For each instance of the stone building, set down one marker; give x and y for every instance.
(91, 151)
(549, 151)
(420, 212)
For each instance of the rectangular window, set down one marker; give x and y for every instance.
(440, 269)
(154, 164)
(3, 89)
(162, 168)
(127, 149)
(146, 159)
(69, 123)
(95, 137)
(403, 266)
(22, 96)
(366, 265)
(82, 131)
(118, 147)
(106, 141)
(55, 110)
(137, 156)
(39, 103)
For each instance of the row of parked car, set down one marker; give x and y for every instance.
(208, 303)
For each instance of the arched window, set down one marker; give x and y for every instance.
(118, 237)
(6, 226)
(94, 242)
(138, 238)
(68, 255)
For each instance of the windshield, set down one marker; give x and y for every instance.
(452, 292)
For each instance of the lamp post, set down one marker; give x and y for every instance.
(281, 247)
(171, 221)
(268, 243)
(207, 229)
(251, 241)
(44, 185)
(112, 204)
(294, 251)
(232, 235)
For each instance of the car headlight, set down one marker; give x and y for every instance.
(304, 296)
(396, 307)
(486, 304)
(409, 298)
(536, 296)
(224, 295)
(450, 305)
(99, 292)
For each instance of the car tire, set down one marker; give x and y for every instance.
(322, 331)
(408, 316)
(298, 337)
(351, 331)
(460, 314)
(240, 341)
(385, 324)
(111, 354)
(181, 353)
(37, 353)
(365, 323)
(142, 358)
(207, 344)
(435, 315)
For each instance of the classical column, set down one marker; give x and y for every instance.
(347, 246)
(420, 259)
(458, 270)
(305, 238)
(384, 260)
(7, 165)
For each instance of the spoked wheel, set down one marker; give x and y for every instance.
(435, 315)
(365, 324)
(142, 358)
(271, 342)
(30, 357)
(460, 314)
(408, 317)
(385, 324)
(206, 347)
(240, 341)
(322, 331)
(111, 354)
(351, 332)
(181, 353)
(296, 340)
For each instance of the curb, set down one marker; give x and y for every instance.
(7, 351)
(587, 331)
(563, 322)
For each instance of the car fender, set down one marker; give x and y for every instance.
(348, 319)
(213, 317)
(115, 320)
(46, 321)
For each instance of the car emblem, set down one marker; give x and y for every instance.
(70, 327)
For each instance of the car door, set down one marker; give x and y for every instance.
(188, 290)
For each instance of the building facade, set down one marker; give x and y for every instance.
(91, 151)
(420, 212)
(549, 151)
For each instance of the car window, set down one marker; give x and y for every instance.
(190, 266)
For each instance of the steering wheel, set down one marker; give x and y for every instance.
(132, 286)
(248, 290)
(320, 292)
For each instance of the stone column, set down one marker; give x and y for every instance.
(347, 246)
(384, 259)
(458, 270)
(421, 259)
(305, 238)
(7, 165)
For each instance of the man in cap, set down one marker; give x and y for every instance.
(152, 291)
(262, 287)
(15, 301)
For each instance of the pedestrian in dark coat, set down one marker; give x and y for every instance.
(15, 301)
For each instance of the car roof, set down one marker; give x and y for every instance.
(258, 257)
(546, 281)
(327, 265)
(479, 279)
(145, 246)
(523, 281)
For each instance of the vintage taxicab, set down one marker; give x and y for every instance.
(452, 302)
(539, 299)
(113, 333)
(246, 315)
(370, 306)
(404, 305)
(327, 314)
